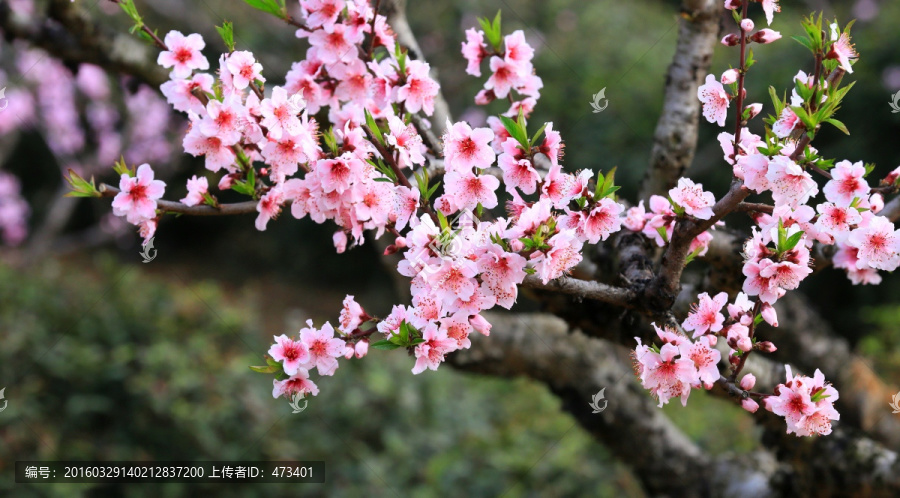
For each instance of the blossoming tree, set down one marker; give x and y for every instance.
(356, 136)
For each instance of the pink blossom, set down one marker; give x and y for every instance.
(225, 120)
(786, 123)
(707, 315)
(847, 183)
(465, 148)
(878, 244)
(560, 187)
(457, 328)
(137, 198)
(715, 100)
(269, 206)
(420, 90)
(836, 221)
(635, 217)
(843, 51)
(695, 201)
(666, 376)
(293, 354)
(603, 220)
(473, 50)
(480, 324)
(324, 348)
(430, 354)
(279, 113)
(748, 381)
(336, 175)
(467, 191)
(749, 405)
(299, 383)
(752, 169)
(757, 284)
(846, 258)
(196, 188)
(180, 94)
(321, 13)
(406, 140)
(518, 51)
(738, 337)
(500, 273)
(243, 69)
(790, 184)
(729, 76)
(333, 46)
(352, 315)
(705, 360)
(504, 78)
(770, 7)
(563, 255)
(354, 80)
(183, 54)
(518, 173)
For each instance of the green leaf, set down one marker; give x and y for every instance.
(385, 345)
(537, 134)
(793, 240)
(81, 187)
(269, 6)
(373, 127)
(516, 131)
(662, 233)
(226, 31)
(837, 124)
(266, 369)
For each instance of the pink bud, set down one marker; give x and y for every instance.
(729, 76)
(765, 36)
(734, 360)
(348, 352)
(730, 40)
(362, 348)
(480, 324)
(892, 177)
(876, 203)
(340, 241)
(391, 249)
(732, 4)
(748, 381)
(755, 109)
(766, 347)
(400, 242)
(485, 97)
(746, 25)
(226, 182)
(745, 344)
(750, 405)
(516, 245)
(712, 340)
(769, 315)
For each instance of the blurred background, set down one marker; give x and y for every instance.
(106, 358)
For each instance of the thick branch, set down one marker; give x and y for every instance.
(675, 139)
(584, 289)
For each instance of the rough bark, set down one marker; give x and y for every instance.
(675, 139)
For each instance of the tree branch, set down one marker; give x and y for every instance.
(675, 139)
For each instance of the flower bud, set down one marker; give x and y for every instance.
(732, 4)
(485, 97)
(755, 109)
(750, 405)
(748, 381)
(516, 245)
(729, 76)
(746, 25)
(480, 324)
(892, 177)
(766, 347)
(730, 40)
(340, 241)
(765, 36)
(362, 348)
(734, 360)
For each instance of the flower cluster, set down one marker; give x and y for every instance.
(686, 199)
(679, 365)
